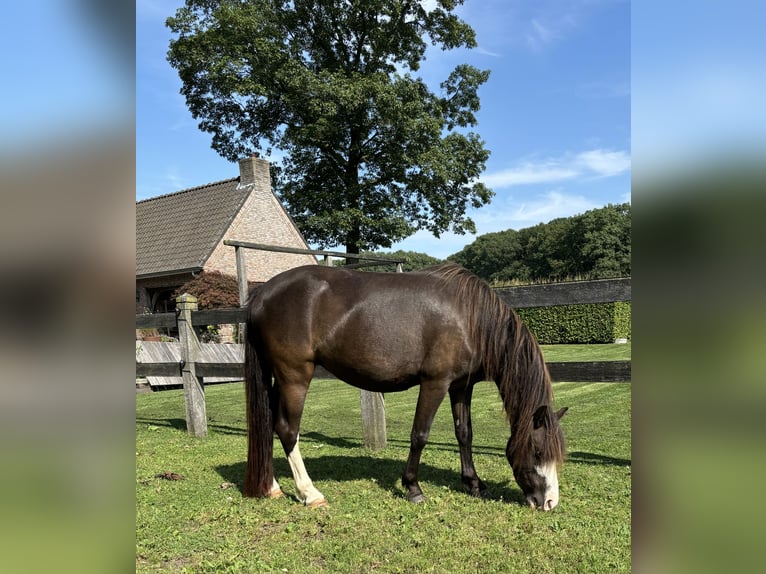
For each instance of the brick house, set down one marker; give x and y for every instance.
(181, 234)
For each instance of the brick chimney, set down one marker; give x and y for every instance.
(254, 171)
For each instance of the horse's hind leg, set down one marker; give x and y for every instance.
(293, 385)
(460, 399)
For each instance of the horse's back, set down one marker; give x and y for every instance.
(374, 330)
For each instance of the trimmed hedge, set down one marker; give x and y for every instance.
(587, 323)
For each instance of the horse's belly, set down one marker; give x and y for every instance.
(393, 351)
(378, 380)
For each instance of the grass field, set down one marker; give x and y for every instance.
(202, 524)
(564, 353)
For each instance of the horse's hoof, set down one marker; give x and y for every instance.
(478, 490)
(320, 503)
(276, 493)
(416, 498)
(482, 493)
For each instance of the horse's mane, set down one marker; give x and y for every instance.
(511, 357)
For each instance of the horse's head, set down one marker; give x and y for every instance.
(535, 456)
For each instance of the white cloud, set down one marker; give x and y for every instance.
(550, 205)
(174, 179)
(586, 164)
(529, 173)
(486, 52)
(515, 212)
(540, 35)
(604, 162)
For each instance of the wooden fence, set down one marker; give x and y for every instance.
(575, 293)
(194, 361)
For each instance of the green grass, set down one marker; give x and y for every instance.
(195, 525)
(569, 353)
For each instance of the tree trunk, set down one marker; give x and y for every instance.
(354, 194)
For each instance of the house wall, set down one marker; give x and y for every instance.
(262, 219)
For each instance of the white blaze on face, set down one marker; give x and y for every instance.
(549, 472)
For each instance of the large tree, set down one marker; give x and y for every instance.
(369, 153)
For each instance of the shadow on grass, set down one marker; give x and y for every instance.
(340, 442)
(180, 424)
(450, 446)
(596, 459)
(386, 472)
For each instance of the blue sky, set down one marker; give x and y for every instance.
(555, 112)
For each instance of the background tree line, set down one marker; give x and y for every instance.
(592, 245)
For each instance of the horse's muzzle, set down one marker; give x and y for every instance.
(535, 502)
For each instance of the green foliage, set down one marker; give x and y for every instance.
(622, 320)
(592, 245)
(602, 238)
(587, 323)
(203, 524)
(413, 260)
(370, 153)
(494, 256)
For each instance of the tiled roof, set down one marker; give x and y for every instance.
(179, 231)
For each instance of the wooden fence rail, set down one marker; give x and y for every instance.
(195, 361)
(572, 293)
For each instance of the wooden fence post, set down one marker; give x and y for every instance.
(374, 417)
(194, 392)
(239, 253)
(373, 420)
(373, 411)
(241, 275)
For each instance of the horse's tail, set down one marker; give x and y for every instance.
(259, 475)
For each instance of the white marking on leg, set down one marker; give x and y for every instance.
(552, 484)
(276, 491)
(307, 493)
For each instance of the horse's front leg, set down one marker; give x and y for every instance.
(460, 399)
(429, 399)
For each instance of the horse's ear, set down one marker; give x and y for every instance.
(538, 419)
(561, 412)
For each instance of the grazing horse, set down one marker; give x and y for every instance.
(442, 328)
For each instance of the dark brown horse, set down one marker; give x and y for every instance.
(443, 329)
